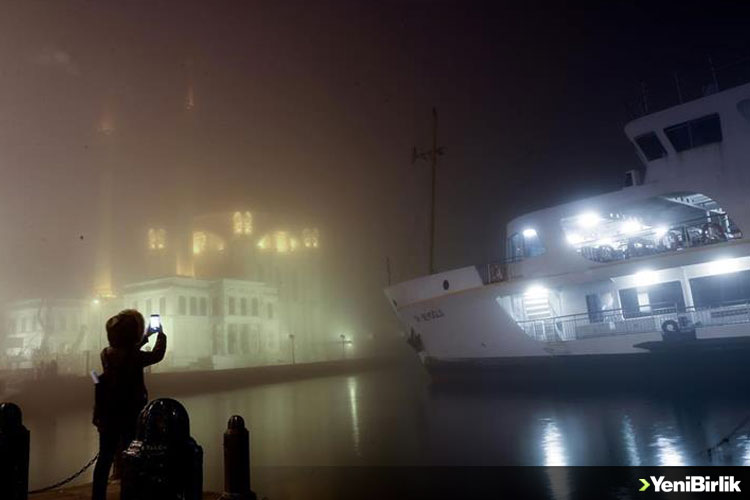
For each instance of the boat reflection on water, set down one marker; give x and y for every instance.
(394, 417)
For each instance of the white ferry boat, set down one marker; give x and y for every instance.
(650, 280)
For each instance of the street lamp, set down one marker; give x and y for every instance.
(291, 339)
(96, 303)
(344, 343)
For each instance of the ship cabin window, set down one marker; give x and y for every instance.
(650, 146)
(524, 244)
(721, 290)
(695, 133)
(645, 301)
(744, 108)
(515, 247)
(666, 223)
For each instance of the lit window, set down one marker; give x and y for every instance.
(157, 239)
(310, 238)
(247, 223)
(199, 242)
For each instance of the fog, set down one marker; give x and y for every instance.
(275, 126)
(140, 114)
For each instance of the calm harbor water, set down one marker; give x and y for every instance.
(393, 417)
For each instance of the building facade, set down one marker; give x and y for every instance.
(250, 293)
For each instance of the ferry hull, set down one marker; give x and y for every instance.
(723, 363)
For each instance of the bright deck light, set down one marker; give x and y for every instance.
(645, 278)
(588, 219)
(723, 266)
(574, 238)
(529, 233)
(660, 231)
(631, 226)
(536, 291)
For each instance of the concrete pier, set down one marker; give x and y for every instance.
(83, 492)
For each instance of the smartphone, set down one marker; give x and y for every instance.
(154, 324)
(94, 376)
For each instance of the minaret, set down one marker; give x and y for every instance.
(183, 217)
(103, 265)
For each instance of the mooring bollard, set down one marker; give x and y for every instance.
(163, 462)
(237, 461)
(14, 453)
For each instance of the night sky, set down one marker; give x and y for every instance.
(311, 109)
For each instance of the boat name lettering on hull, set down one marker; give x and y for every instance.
(429, 315)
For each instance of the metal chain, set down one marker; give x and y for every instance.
(68, 479)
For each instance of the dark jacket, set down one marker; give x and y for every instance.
(121, 392)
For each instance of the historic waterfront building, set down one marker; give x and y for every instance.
(235, 288)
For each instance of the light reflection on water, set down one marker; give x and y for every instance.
(628, 436)
(668, 451)
(351, 383)
(393, 417)
(552, 444)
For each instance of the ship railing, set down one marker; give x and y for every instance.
(718, 228)
(689, 233)
(671, 89)
(648, 319)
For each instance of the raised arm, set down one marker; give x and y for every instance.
(157, 353)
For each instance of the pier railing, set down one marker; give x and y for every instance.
(622, 322)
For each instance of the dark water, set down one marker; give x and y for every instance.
(393, 417)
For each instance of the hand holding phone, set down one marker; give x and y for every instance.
(154, 324)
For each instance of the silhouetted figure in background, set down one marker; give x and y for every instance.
(121, 392)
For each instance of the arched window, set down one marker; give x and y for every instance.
(310, 238)
(247, 223)
(254, 306)
(237, 223)
(157, 239)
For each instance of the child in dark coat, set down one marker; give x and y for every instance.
(121, 392)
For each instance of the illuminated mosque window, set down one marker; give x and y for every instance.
(247, 223)
(310, 238)
(242, 223)
(206, 242)
(199, 242)
(263, 243)
(157, 239)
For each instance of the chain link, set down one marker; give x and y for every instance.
(67, 479)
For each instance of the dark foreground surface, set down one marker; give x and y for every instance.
(329, 437)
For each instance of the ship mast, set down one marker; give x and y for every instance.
(432, 154)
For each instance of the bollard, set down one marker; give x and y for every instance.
(14, 453)
(163, 462)
(237, 461)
